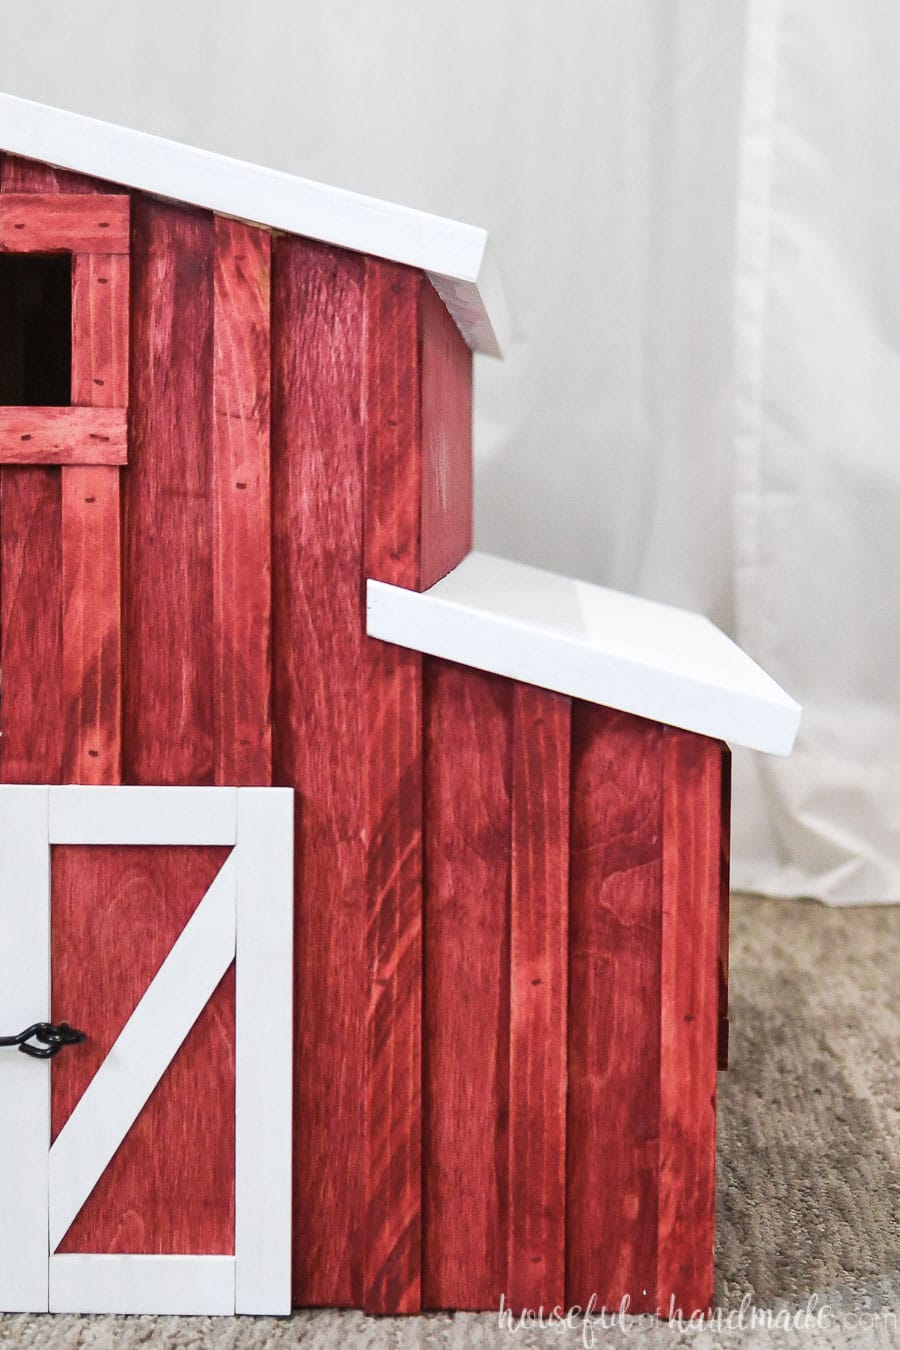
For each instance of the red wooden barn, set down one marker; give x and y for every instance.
(229, 399)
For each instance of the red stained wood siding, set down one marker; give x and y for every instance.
(446, 525)
(116, 913)
(32, 221)
(91, 528)
(241, 497)
(53, 436)
(31, 176)
(393, 803)
(318, 684)
(724, 904)
(416, 455)
(689, 1020)
(168, 634)
(614, 1008)
(539, 947)
(494, 903)
(31, 711)
(91, 646)
(467, 955)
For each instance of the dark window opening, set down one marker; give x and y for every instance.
(36, 329)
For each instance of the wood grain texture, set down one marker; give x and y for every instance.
(393, 473)
(91, 626)
(724, 906)
(167, 519)
(614, 1008)
(692, 832)
(466, 1022)
(539, 948)
(393, 423)
(115, 914)
(49, 222)
(51, 436)
(18, 174)
(92, 573)
(394, 1023)
(446, 442)
(100, 294)
(242, 505)
(318, 671)
(31, 712)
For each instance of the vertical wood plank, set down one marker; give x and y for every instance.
(100, 330)
(614, 1008)
(466, 1022)
(242, 505)
(91, 626)
(446, 442)
(31, 744)
(31, 713)
(318, 656)
(539, 951)
(393, 474)
(91, 535)
(167, 517)
(724, 906)
(393, 424)
(692, 831)
(394, 1048)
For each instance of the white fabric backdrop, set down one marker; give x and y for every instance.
(692, 207)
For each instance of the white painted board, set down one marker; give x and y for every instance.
(624, 652)
(264, 1064)
(24, 1081)
(454, 255)
(143, 815)
(176, 1285)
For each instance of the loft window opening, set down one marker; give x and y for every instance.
(35, 329)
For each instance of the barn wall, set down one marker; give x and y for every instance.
(507, 902)
(295, 412)
(573, 879)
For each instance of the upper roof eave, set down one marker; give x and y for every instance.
(455, 256)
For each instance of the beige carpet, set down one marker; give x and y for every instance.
(809, 1169)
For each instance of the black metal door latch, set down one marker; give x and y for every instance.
(50, 1038)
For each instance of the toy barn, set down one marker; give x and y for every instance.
(256, 683)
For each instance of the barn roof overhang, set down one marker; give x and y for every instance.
(456, 257)
(656, 661)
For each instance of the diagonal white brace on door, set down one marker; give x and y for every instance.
(142, 1052)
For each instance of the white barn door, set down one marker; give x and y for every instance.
(245, 917)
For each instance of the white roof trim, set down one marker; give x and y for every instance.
(454, 256)
(658, 662)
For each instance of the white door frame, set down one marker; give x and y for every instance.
(246, 915)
